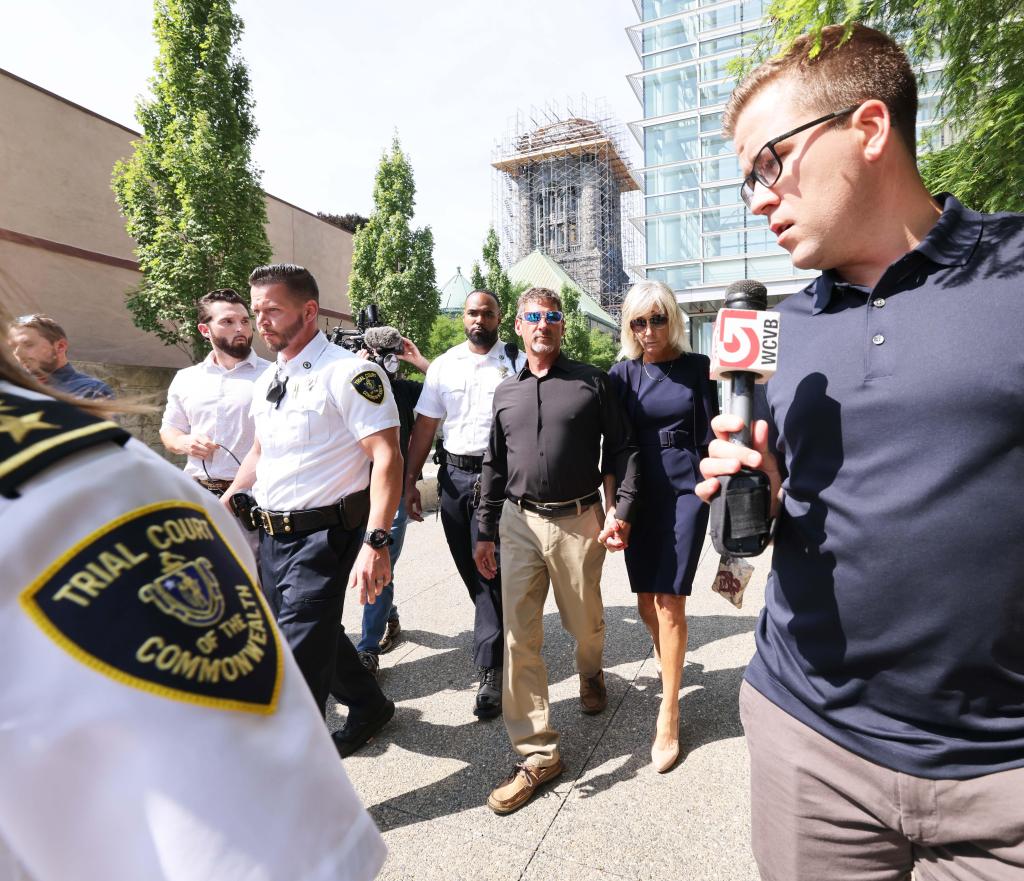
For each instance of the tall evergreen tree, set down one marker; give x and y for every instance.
(576, 338)
(982, 82)
(190, 192)
(392, 264)
(490, 276)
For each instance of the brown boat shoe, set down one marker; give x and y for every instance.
(593, 694)
(521, 785)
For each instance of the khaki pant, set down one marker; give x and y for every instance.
(536, 550)
(821, 813)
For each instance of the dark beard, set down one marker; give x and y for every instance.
(483, 337)
(232, 350)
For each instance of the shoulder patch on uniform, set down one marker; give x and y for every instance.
(157, 600)
(35, 434)
(369, 386)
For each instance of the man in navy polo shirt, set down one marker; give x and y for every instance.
(884, 708)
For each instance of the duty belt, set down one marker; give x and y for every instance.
(467, 463)
(350, 512)
(556, 509)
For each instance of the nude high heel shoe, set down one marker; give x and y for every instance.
(664, 759)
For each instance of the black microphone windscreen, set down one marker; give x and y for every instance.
(384, 337)
(746, 294)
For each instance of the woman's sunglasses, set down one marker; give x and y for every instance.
(640, 324)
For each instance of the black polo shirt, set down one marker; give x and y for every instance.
(546, 441)
(894, 617)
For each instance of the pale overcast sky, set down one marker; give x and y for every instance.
(333, 79)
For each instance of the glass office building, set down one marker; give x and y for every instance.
(699, 235)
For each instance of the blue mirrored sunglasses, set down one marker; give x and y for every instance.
(553, 316)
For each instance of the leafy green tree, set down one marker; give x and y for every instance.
(444, 333)
(491, 277)
(190, 192)
(393, 264)
(348, 222)
(982, 82)
(603, 349)
(576, 339)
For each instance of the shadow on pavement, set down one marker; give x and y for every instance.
(710, 713)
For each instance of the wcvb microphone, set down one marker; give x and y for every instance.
(744, 351)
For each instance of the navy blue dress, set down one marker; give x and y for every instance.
(671, 421)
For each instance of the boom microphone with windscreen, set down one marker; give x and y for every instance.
(744, 351)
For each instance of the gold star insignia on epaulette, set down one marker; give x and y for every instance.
(18, 426)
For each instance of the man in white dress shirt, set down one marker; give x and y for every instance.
(323, 416)
(207, 415)
(457, 392)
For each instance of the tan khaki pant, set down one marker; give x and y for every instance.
(536, 550)
(821, 813)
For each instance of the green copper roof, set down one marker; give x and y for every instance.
(455, 291)
(541, 271)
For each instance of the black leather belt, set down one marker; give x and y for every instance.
(350, 512)
(467, 463)
(561, 509)
(217, 487)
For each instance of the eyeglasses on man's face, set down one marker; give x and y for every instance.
(767, 167)
(657, 319)
(552, 316)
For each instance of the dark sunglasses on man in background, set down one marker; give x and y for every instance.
(657, 319)
(552, 316)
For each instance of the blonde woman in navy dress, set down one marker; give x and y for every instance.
(670, 402)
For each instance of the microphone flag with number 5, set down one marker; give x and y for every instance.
(747, 340)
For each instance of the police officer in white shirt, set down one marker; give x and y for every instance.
(207, 415)
(152, 723)
(323, 416)
(457, 392)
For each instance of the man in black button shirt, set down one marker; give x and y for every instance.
(541, 475)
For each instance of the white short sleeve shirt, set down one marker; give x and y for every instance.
(310, 453)
(122, 758)
(459, 389)
(208, 399)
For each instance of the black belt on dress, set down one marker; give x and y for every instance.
(679, 440)
(559, 509)
(350, 512)
(467, 463)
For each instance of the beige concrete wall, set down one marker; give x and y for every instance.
(56, 160)
(300, 237)
(145, 385)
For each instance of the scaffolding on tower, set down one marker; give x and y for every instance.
(565, 186)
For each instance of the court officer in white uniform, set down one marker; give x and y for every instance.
(207, 417)
(152, 723)
(457, 392)
(323, 416)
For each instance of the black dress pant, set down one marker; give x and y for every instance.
(458, 517)
(304, 580)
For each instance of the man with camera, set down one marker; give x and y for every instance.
(323, 417)
(207, 417)
(385, 346)
(458, 390)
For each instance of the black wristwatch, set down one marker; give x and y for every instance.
(378, 538)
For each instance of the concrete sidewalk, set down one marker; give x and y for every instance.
(426, 779)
